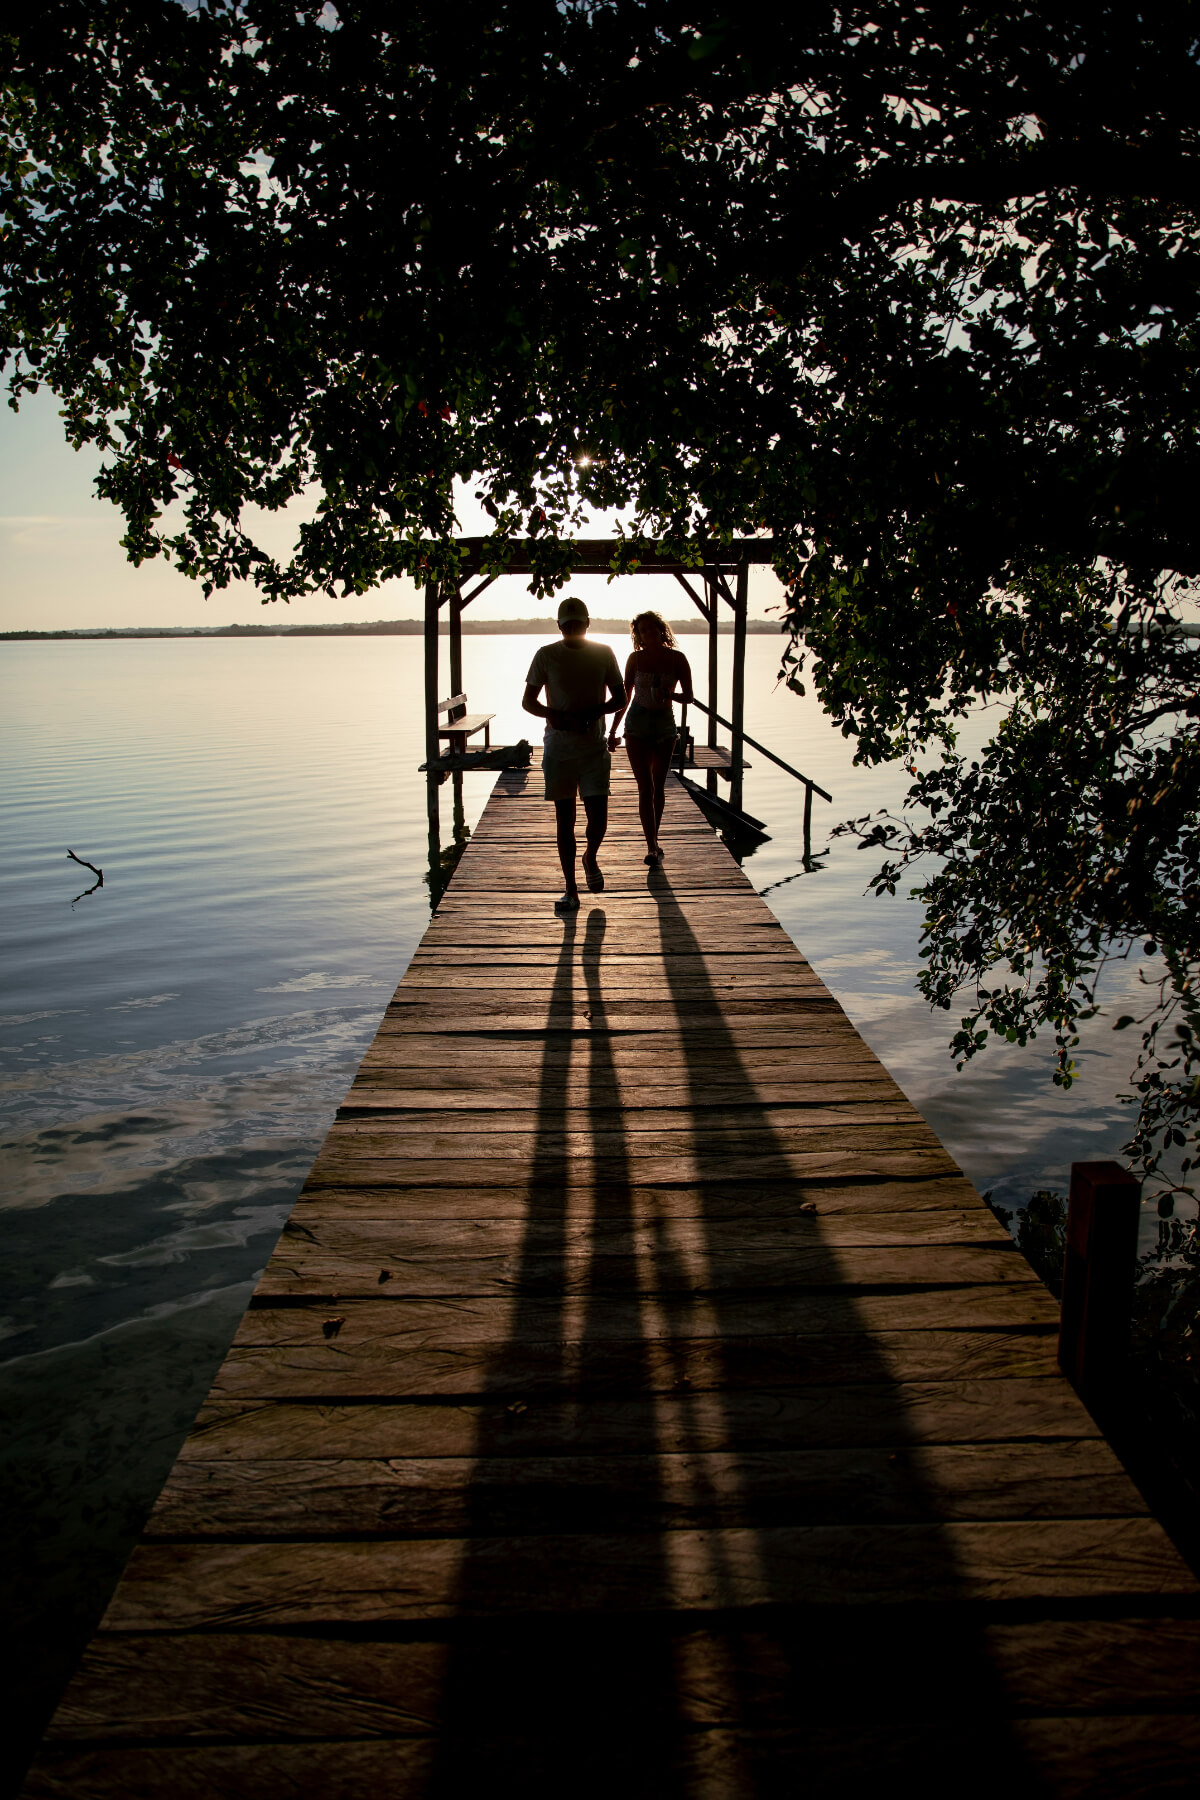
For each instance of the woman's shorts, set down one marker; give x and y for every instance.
(573, 764)
(651, 725)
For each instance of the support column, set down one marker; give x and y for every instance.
(460, 817)
(433, 779)
(1098, 1276)
(737, 748)
(432, 603)
(456, 674)
(714, 602)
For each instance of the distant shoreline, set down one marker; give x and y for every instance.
(376, 628)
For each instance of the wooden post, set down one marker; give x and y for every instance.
(714, 704)
(737, 748)
(432, 780)
(456, 674)
(808, 786)
(432, 607)
(1098, 1271)
(460, 817)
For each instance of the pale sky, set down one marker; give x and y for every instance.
(62, 567)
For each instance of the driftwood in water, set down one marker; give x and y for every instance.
(98, 873)
(85, 864)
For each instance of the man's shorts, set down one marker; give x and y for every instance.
(573, 764)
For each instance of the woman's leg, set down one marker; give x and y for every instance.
(640, 755)
(660, 763)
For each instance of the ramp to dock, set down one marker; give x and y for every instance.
(639, 1402)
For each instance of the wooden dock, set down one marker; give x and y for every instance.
(639, 1402)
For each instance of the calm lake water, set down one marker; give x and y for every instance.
(173, 1045)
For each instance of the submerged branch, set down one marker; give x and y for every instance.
(85, 864)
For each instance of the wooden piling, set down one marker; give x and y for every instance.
(455, 640)
(1098, 1277)
(432, 647)
(714, 698)
(737, 748)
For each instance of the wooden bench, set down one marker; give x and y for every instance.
(460, 724)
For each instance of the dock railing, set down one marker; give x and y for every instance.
(811, 787)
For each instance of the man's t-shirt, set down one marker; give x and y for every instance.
(576, 674)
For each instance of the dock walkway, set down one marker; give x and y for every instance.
(639, 1402)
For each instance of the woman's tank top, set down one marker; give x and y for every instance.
(651, 688)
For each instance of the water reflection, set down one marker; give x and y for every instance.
(811, 865)
(444, 858)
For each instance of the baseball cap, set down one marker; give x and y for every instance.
(572, 611)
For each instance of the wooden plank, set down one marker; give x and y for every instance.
(1076, 1759)
(593, 1096)
(291, 1357)
(454, 1497)
(813, 1313)
(785, 1051)
(805, 1109)
(855, 1164)
(375, 1132)
(302, 1269)
(694, 1231)
(705, 1146)
(201, 1586)
(826, 1160)
(467, 724)
(886, 1414)
(869, 1200)
(219, 1687)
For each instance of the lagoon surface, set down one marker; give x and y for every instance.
(173, 1044)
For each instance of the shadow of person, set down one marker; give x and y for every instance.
(560, 1694)
(831, 1667)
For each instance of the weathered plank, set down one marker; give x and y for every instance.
(877, 1200)
(673, 1424)
(202, 1586)
(456, 1497)
(221, 1687)
(1077, 1759)
(300, 1266)
(644, 1231)
(287, 1355)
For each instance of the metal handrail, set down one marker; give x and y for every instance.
(762, 750)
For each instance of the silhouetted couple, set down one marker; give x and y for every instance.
(583, 685)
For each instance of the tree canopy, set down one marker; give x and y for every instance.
(912, 288)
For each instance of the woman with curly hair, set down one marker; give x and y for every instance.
(652, 674)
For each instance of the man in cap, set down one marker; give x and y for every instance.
(575, 760)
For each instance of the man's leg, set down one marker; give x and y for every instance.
(596, 808)
(564, 816)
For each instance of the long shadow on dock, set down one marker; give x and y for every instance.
(827, 1687)
(558, 1700)
(702, 1521)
